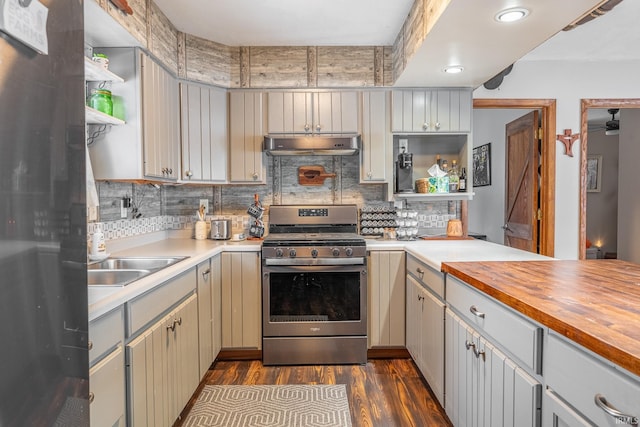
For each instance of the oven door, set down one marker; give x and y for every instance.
(314, 300)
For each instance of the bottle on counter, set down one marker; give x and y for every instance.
(98, 245)
(462, 183)
(454, 177)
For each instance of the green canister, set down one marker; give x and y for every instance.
(101, 100)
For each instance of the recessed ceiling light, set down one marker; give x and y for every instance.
(454, 69)
(512, 15)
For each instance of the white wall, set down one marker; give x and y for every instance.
(486, 210)
(628, 195)
(568, 83)
(602, 206)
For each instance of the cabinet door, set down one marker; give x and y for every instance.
(184, 372)
(241, 300)
(245, 138)
(387, 298)
(432, 341)
(289, 112)
(161, 132)
(458, 370)
(335, 112)
(205, 316)
(376, 146)
(203, 112)
(411, 110)
(216, 304)
(451, 110)
(107, 390)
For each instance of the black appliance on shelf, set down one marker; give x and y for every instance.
(404, 173)
(314, 286)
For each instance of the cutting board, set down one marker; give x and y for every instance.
(313, 175)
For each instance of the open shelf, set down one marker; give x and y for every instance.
(95, 117)
(96, 73)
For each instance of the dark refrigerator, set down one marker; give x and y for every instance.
(44, 374)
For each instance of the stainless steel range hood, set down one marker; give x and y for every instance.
(317, 144)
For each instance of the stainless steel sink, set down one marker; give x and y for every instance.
(120, 271)
(130, 263)
(114, 277)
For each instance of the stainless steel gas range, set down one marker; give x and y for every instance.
(314, 286)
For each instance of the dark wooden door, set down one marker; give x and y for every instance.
(522, 183)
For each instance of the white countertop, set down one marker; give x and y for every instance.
(435, 252)
(432, 252)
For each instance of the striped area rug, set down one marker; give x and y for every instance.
(271, 405)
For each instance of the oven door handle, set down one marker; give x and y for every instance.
(311, 262)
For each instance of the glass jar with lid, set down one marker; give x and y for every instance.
(101, 100)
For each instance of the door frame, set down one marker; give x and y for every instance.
(585, 104)
(547, 157)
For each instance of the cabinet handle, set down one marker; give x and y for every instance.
(307, 127)
(172, 326)
(92, 397)
(178, 321)
(470, 345)
(425, 126)
(206, 272)
(479, 353)
(189, 174)
(601, 402)
(420, 272)
(369, 174)
(420, 297)
(170, 171)
(475, 312)
(90, 345)
(318, 127)
(437, 125)
(255, 176)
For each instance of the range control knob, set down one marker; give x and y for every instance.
(349, 251)
(314, 253)
(335, 252)
(292, 253)
(279, 253)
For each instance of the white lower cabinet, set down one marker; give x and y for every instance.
(163, 367)
(241, 300)
(484, 387)
(603, 394)
(106, 375)
(425, 334)
(386, 298)
(209, 311)
(106, 379)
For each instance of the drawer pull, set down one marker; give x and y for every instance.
(601, 402)
(470, 345)
(420, 272)
(206, 273)
(479, 353)
(475, 312)
(92, 397)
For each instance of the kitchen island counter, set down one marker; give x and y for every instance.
(595, 303)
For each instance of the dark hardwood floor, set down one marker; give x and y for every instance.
(382, 393)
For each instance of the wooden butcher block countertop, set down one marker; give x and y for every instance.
(595, 303)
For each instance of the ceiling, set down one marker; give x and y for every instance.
(466, 34)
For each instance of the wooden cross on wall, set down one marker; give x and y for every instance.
(567, 139)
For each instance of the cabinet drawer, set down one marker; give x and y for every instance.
(578, 377)
(106, 384)
(105, 333)
(147, 307)
(515, 333)
(428, 277)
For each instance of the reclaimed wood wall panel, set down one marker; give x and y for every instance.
(207, 61)
(345, 66)
(414, 30)
(275, 66)
(432, 11)
(398, 62)
(389, 76)
(182, 55)
(135, 24)
(163, 38)
(312, 66)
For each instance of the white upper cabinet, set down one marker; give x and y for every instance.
(147, 143)
(431, 110)
(246, 134)
(312, 112)
(203, 113)
(376, 150)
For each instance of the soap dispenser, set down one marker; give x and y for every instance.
(98, 245)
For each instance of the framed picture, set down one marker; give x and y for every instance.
(482, 165)
(594, 173)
